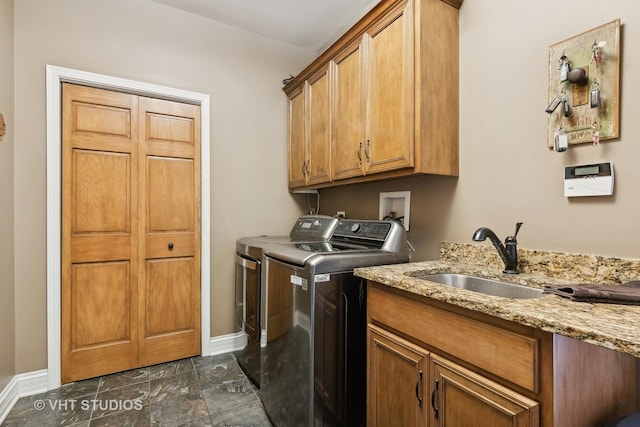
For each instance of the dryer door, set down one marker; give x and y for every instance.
(247, 295)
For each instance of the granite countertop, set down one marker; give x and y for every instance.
(608, 325)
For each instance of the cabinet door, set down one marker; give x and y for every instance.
(397, 377)
(461, 398)
(348, 113)
(319, 135)
(297, 143)
(390, 92)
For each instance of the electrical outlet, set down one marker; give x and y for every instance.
(341, 214)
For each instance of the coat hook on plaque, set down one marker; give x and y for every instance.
(596, 53)
(595, 128)
(566, 109)
(564, 68)
(561, 140)
(595, 94)
(560, 99)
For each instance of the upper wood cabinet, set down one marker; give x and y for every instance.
(319, 142)
(297, 139)
(309, 132)
(392, 88)
(348, 112)
(372, 106)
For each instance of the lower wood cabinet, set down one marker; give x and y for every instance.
(460, 397)
(434, 364)
(395, 366)
(409, 386)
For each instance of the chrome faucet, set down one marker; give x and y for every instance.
(508, 252)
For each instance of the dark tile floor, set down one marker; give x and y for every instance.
(200, 391)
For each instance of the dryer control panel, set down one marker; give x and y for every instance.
(313, 227)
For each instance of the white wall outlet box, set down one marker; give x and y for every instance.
(588, 180)
(396, 205)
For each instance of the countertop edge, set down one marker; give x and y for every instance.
(616, 327)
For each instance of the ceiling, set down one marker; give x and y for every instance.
(309, 24)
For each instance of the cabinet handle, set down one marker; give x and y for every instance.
(303, 165)
(307, 167)
(433, 399)
(366, 151)
(360, 153)
(418, 381)
(170, 246)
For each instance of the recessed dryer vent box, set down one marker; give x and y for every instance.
(396, 205)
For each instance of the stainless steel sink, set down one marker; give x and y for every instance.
(484, 286)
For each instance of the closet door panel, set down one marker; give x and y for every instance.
(169, 296)
(99, 232)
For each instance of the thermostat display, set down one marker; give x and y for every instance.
(588, 180)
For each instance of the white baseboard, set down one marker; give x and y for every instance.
(8, 397)
(227, 343)
(35, 382)
(22, 385)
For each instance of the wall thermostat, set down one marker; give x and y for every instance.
(588, 180)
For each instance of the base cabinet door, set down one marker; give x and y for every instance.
(486, 372)
(396, 384)
(462, 398)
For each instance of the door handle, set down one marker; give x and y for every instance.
(170, 246)
(433, 399)
(418, 381)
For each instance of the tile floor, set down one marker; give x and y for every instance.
(200, 391)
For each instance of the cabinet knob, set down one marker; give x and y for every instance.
(170, 246)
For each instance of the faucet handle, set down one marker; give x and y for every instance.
(518, 225)
(512, 239)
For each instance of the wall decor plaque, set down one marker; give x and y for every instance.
(584, 77)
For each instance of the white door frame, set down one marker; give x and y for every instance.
(55, 77)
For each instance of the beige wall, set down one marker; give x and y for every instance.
(149, 42)
(7, 324)
(506, 172)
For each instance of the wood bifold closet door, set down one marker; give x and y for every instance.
(130, 231)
